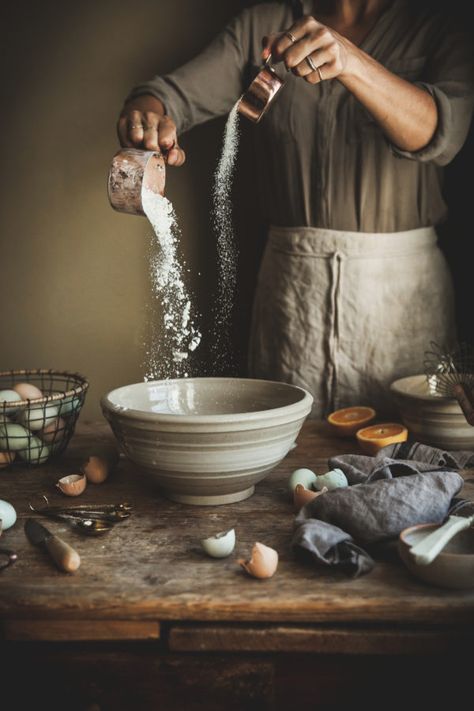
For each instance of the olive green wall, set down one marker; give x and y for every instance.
(74, 281)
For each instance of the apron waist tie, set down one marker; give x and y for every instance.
(335, 262)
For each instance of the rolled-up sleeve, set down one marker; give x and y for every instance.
(208, 85)
(449, 76)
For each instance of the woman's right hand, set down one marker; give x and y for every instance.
(143, 123)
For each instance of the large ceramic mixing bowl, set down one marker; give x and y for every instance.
(430, 418)
(207, 440)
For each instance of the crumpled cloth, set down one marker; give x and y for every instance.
(403, 485)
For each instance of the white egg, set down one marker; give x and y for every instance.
(220, 545)
(301, 476)
(38, 417)
(7, 396)
(7, 515)
(13, 437)
(334, 479)
(36, 452)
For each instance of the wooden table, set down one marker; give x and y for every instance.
(149, 621)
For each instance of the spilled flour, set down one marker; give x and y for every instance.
(226, 247)
(171, 342)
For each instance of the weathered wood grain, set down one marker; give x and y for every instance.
(311, 640)
(79, 630)
(151, 566)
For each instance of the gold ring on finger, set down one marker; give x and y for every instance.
(291, 37)
(320, 75)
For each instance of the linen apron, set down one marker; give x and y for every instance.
(343, 314)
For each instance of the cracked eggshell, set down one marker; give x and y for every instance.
(73, 484)
(334, 479)
(221, 545)
(305, 477)
(302, 496)
(263, 562)
(7, 515)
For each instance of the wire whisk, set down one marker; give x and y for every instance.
(450, 373)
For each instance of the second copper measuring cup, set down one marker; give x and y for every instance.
(261, 92)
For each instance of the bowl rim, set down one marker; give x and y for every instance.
(305, 403)
(395, 388)
(418, 527)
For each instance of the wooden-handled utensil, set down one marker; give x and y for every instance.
(65, 557)
(427, 549)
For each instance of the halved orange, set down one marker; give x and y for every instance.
(373, 438)
(348, 420)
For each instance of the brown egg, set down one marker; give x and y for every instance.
(263, 562)
(73, 484)
(54, 431)
(28, 391)
(6, 458)
(301, 495)
(96, 469)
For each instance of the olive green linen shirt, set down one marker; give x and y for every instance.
(322, 160)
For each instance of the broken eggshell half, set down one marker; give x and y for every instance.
(303, 476)
(221, 545)
(72, 484)
(263, 562)
(302, 496)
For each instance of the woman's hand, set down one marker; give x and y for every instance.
(406, 113)
(310, 50)
(143, 123)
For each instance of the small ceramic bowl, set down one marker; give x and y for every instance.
(431, 418)
(207, 440)
(452, 568)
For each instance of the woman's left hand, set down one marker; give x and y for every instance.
(310, 50)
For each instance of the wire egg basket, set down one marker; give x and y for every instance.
(38, 413)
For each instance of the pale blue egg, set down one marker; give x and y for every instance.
(7, 396)
(37, 452)
(13, 437)
(69, 405)
(7, 515)
(38, 416)
(334, 479)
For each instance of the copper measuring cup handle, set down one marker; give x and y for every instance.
(255, 101)
(131, 170)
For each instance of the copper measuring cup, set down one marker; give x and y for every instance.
(261, 92)
(130, 171)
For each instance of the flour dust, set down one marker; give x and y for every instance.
(226, 246)
(170, 342)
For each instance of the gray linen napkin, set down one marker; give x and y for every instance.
(385, 495)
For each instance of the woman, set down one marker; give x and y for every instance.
(378, 98)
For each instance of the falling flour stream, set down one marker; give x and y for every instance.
(226, 247)
(171, 342)
(169, 347)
